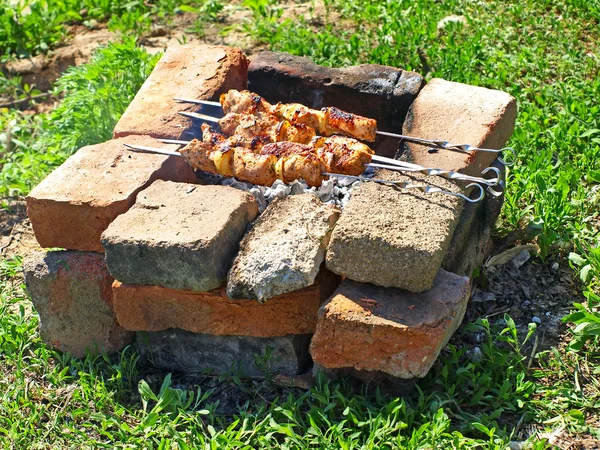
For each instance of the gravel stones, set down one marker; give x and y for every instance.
(394, 237)
(71, 292)
(179, 235)
(371, 328)
(284, 250)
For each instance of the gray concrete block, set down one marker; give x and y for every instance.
(284, 250)
(182, 351)
(395, 237)
(179, 235)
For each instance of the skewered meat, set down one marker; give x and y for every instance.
(287, 161)
(328, 121)
(338, 154)
(295, 161)
(244, 102)
(253, 167)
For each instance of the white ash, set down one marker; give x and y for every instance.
(335, 191)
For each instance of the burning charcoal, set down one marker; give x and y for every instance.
(325, 191)
(297, 188)
(260, 198)
(344, 182)
(280, 189)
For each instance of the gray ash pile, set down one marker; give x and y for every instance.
(335, 191)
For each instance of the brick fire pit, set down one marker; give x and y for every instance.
(203, 281)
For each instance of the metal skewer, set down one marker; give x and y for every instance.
(199, 116)
(144, 149)
(422, 187)
(401, 166)
(436, 144)
(198, 102)
(401, 184)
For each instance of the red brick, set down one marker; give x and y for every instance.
(370, 328)
(189, 71)
(460, 114)
(71, 292)
(75, 203)
(154, 308)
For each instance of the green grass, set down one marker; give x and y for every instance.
(95, 96)
(36, 26)
(50, 400)
(545, 53)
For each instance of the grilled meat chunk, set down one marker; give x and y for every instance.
(342, 154)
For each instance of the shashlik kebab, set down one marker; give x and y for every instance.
(341, 155)
(326, 122)
(279, 160)
(262, 162)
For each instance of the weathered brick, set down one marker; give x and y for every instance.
(383, 93)
(182, 351)
(75, 203)
(179, 235)
(461, 114)
(188, 71)
(154, 308)
(375, 329)
(394, 237)
(72, 293)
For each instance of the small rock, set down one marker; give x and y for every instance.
(537, 320)
(554, 267)
(325, 191)
(521, 259)
(483, 297)
(345, 182)
(297, 188)
(260, 199)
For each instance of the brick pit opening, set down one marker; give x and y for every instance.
(207, 275)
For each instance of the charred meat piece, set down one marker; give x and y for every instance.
(244, 102)
(267, 126)
(296, 161)
(197, 154)
(337, 121)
